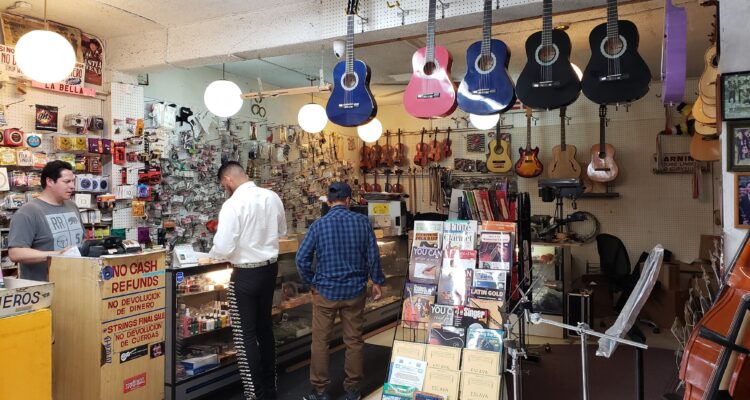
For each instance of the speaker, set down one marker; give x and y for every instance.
(579, 309)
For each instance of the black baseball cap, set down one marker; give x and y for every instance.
(339, 190)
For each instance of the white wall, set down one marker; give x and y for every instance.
(735, 47)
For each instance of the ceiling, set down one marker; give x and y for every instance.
(391, 62)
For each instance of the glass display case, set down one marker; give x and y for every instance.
(200, 354)
(550, 274)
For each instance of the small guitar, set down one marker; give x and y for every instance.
(616, 73)
(446, 146)
(486, 87)
(400, 152)
(376, 154)
(705, 148)
(528, 164)
(398, 187)
(435, 150)
(430, 92)
(420, 158)
(548, 81)
(564, 164)
(376, 186)
(498, 158)
(707, 83)
(387, 180)
(673, 54)
(386, 158)
(602, 167)
(351, 102)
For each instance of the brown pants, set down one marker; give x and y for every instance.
(352, 321)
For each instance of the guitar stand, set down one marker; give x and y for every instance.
(583, 331)
(515, 366)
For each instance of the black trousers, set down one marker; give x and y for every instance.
(250, 300)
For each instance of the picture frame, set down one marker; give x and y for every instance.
(742, 200)
(738, 146)
(735, 96)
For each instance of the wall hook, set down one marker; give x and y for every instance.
(401, 12)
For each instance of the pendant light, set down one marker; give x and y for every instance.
(312, 117)
(371, 131)
(484, 121)
(45, 56)
(223, 97)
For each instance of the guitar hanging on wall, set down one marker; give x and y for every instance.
(351, 102)
(564, 164)
(616, 73)
(430, 92)
(528, 164)
(486, 87)
(602, 167)
(548, 81)
(673, 54)
(498, 159)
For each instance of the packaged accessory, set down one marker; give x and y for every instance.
(74, 121)
(7, 156)
(13, 137)
(33, 140)
(24, 158)
(18, 179)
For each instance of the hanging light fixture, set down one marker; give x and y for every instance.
(312, 117)
(45, 56)
(371, 131)
(484, 121)
(223, 97)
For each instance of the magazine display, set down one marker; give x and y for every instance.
(480, 338)
(454, 285)
(465, 317)
(447, 336)
(424, 265)
(428, 234)
(441, 315)
(418, 299)
(460, 235)
(496, 244)
(489, 279)
(494, 309)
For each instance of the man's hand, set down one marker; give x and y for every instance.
(377, 292)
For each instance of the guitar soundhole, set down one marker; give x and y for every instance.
(614, 46)
(349, 81)
(715, 62)
(429, 68)
(547, 54)
(486, 62)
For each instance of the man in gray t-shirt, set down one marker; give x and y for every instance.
(47, 225)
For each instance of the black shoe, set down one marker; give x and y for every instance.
(353, 395)
(314, 395)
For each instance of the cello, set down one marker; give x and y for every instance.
(715, 358)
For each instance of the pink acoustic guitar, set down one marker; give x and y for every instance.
(431, 91)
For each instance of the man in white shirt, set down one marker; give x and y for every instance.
(250, 224)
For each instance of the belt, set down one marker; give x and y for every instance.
(256, 264)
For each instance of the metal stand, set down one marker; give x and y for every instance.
(515, 366)
(584, 332)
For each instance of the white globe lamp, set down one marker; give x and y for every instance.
(312, 118)
(222, 98)
(371, 131)
(484, 121)
(45, 56)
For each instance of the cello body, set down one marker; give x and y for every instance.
(700, 368)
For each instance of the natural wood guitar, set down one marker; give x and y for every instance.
(498, 159)
(564, 164)
(602, 167)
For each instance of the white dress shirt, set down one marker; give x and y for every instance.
(250, 223)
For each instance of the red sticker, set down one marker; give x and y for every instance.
(130, 384)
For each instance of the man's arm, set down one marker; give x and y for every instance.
(305, 255)
(281, 216)
(27, 255)
(373, 258)
(227, 233)
(21, 237)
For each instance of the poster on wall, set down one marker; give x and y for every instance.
(46, 118)
(93, 55)
(72, 34)
(15, 26)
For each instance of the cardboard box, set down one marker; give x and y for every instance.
(706, 246)
(669, 276)
(22, 295)
(288, 245)
(664, 305)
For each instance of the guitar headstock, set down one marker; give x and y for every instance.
(602, 111)
(563, 110)
(351, 7)
(528, 112)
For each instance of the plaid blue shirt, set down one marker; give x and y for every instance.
(347, 253)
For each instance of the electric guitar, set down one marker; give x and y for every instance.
(498, 158)
(528, 164)
(602, 167)
(351, 102)
(673, 54)
(564, 164)
(548, 81)
(430, 92)
(616, 73)
(486, 87)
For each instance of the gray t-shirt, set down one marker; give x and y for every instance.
(43, 226)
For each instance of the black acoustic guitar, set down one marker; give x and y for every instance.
(616, 73)
(548, 81)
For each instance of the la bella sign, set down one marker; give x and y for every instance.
(66, 89)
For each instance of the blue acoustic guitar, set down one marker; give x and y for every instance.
(486, 87)
(351, 102)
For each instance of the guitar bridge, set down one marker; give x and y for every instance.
(433, 95)
(483, 91)
(546, 84)
(614, 78)
(348, 105)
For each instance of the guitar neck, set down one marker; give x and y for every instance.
(562, 129)
(528, 132)
(602, 127)
(430, 56)
(612, 28)
(547, 23)
(349, 43)
(487, 27)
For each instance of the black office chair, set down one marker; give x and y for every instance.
(615, 265)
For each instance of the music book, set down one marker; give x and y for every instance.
(418, 299)
(444, 357)
(428, 234)
(459, 235)
(424, 265)
(480, 338)
(467, 316)
(411, 350)
(480, 362)
(407, 372)
(398, 392)
(447, 336)
(479, 387)
(489, 279)
(443, 382)
(496, 244)
(428, 396)
(494, 308)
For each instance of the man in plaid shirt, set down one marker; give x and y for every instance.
(346, 252)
